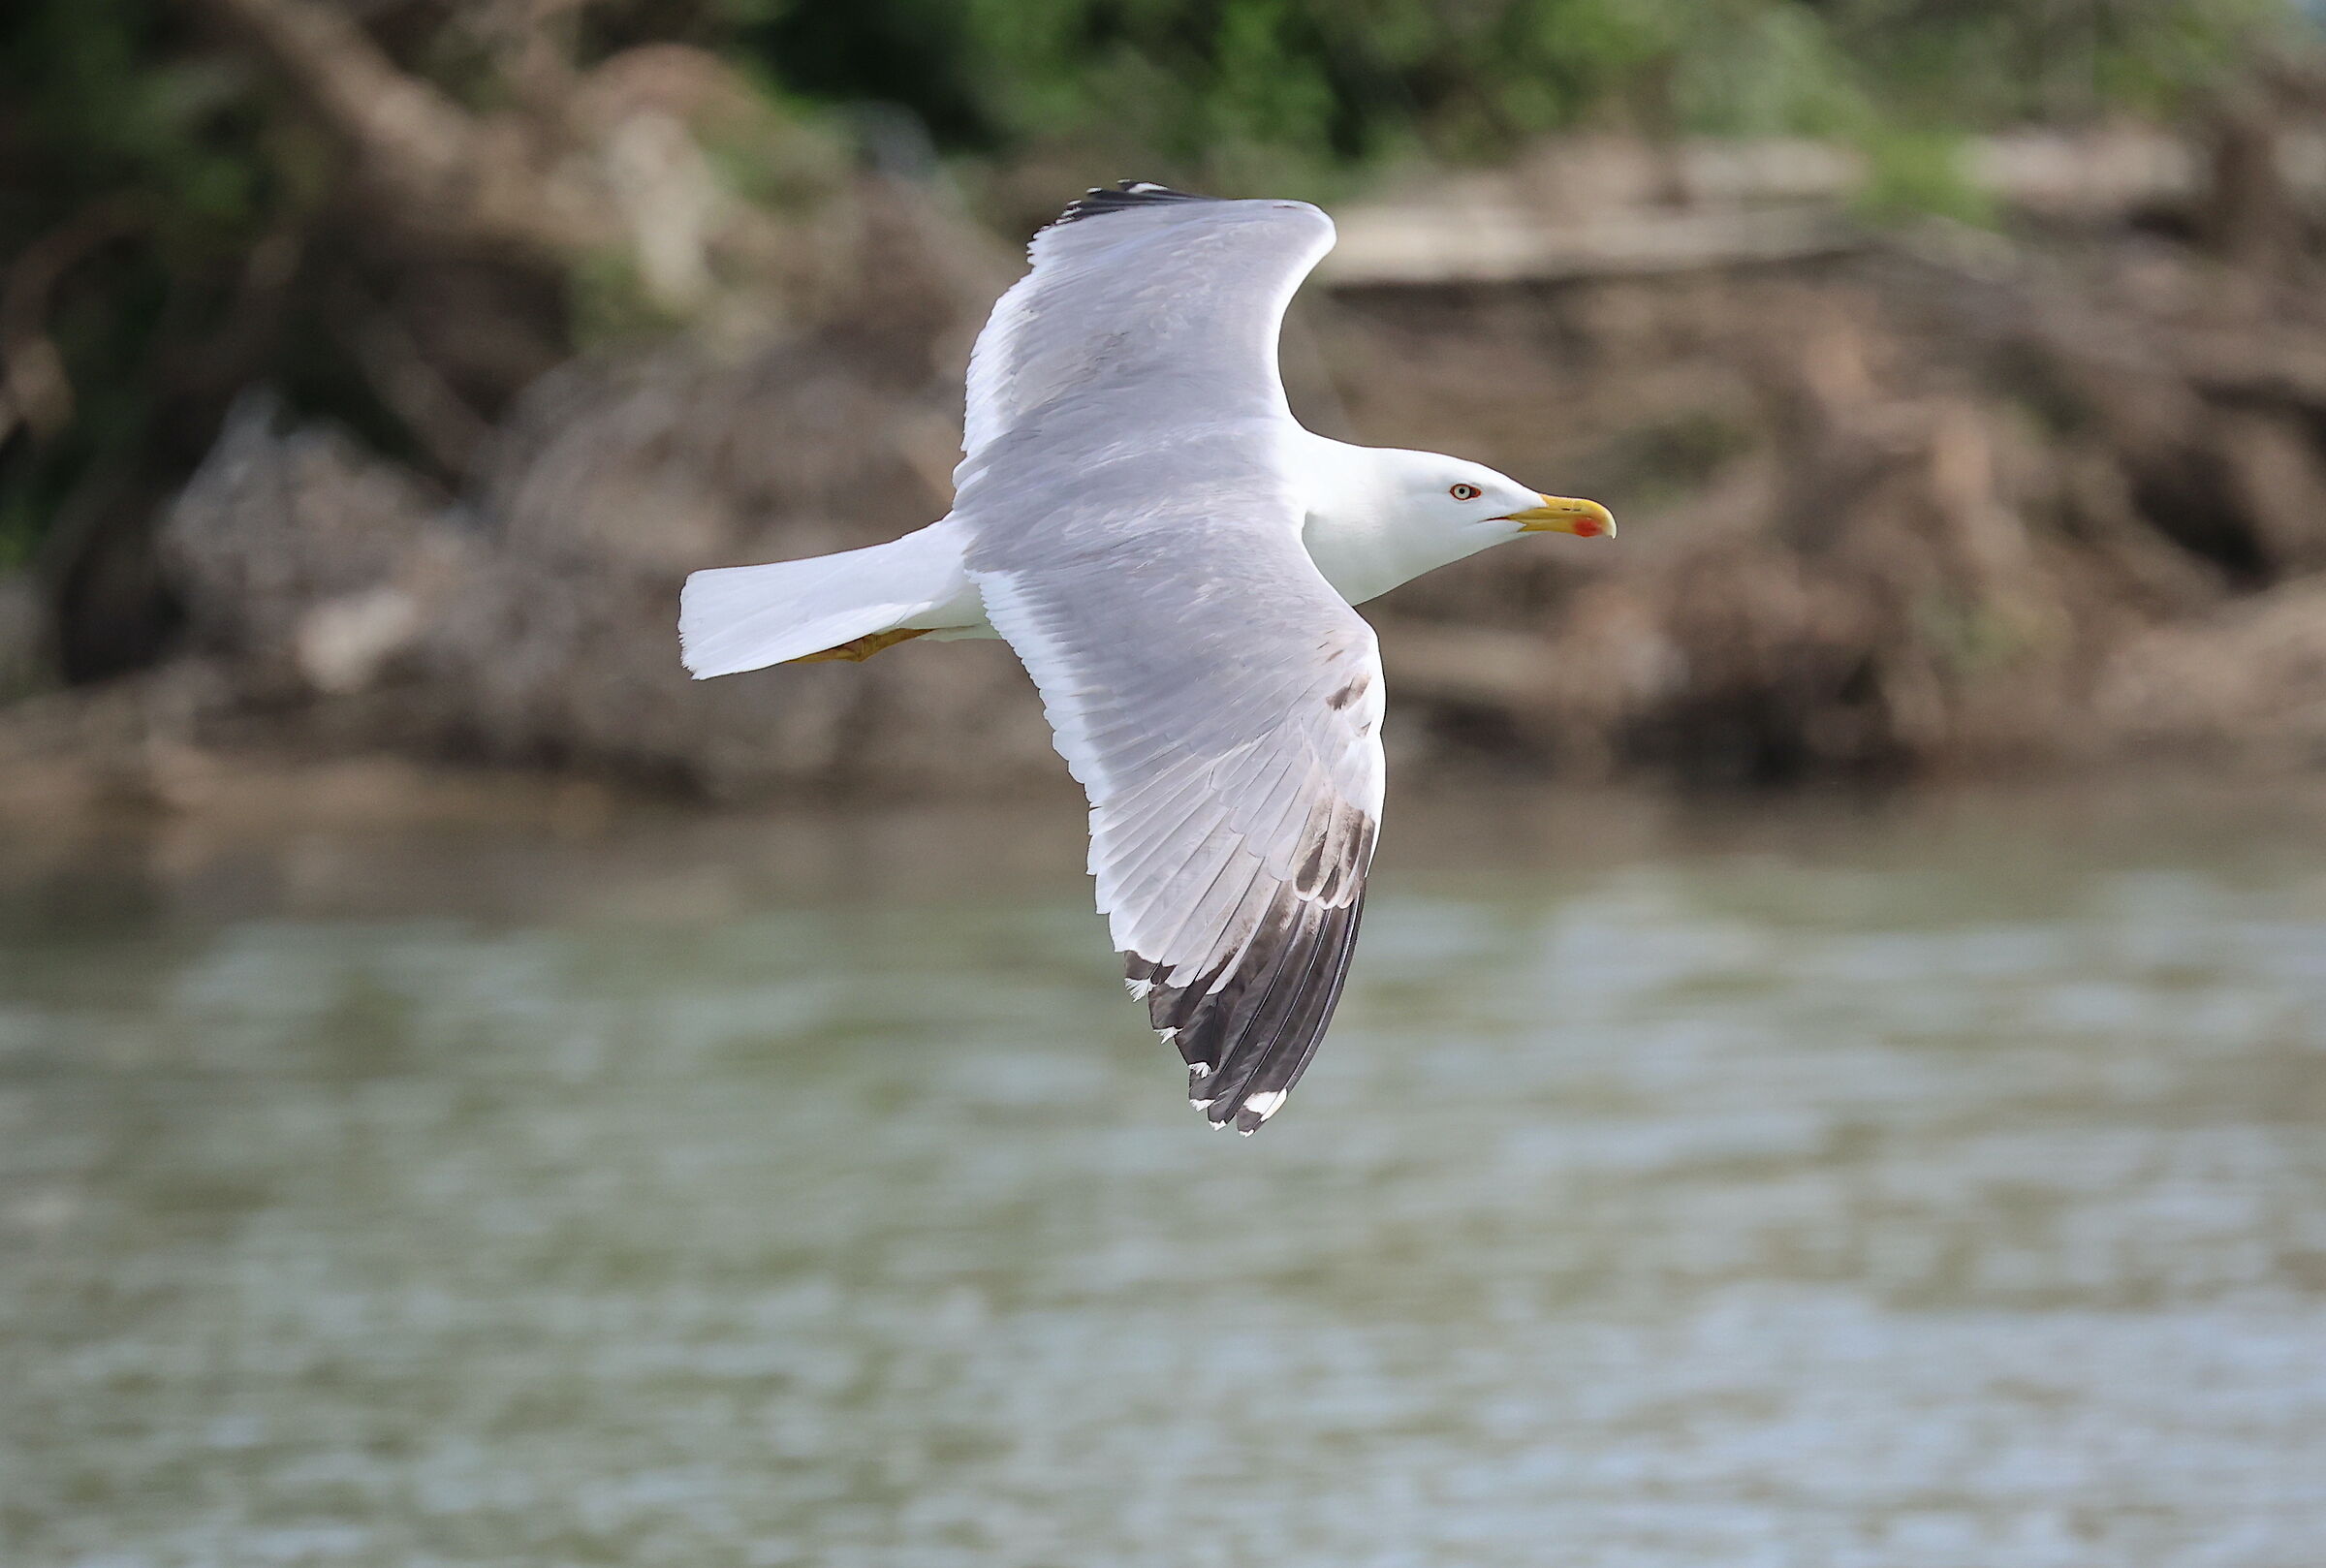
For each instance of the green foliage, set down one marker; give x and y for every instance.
(609, 302)
(1973, 63)
(1913, 173)
(141, 165)
(1199, 82)
(1214, 86)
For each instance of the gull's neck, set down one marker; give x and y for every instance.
(1355, 529)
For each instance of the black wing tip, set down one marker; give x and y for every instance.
(1128, 195)
(1243, 1061)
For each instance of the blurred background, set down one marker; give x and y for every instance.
(1838, 1070)
(375, 372)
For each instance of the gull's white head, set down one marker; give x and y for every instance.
(1381, 515)
(1470, 502)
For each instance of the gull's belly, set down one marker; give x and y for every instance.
(963, 615)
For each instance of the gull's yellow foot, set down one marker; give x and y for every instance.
(859, 650)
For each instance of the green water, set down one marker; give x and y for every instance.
(1936, 1186)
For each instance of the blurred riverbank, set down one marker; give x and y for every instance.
(1935, 503)
(1937, 458)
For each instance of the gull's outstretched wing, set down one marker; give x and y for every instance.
(1135, 529)
(1221, 706)
(1180, 295)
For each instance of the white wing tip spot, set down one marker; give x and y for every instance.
(1263, 1106)
(1139, 988)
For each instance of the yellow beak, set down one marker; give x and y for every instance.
(1566, 514)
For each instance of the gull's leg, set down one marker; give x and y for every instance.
(856, 650)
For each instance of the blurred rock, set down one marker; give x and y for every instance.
(2247, 684)
(537, 626)
(23, 629)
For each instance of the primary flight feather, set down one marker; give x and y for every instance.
(1173, 558)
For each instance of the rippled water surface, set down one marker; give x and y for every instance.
(1936, 1186)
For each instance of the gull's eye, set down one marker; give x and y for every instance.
(1466, 492)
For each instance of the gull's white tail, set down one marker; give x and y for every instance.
(734, 618)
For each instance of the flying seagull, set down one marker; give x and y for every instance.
(1173, 558)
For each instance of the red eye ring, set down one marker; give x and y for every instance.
(1466, 492)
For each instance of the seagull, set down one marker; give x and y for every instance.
(1174, 559)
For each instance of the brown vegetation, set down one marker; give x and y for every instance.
(1937, 505)
(1937, 500)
